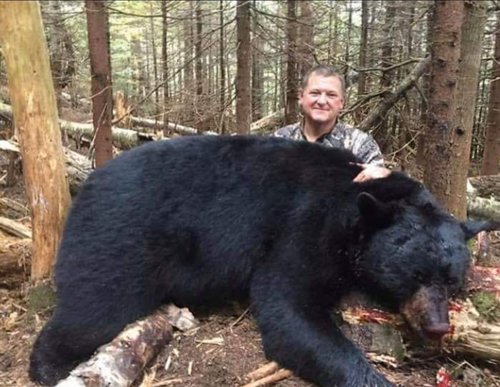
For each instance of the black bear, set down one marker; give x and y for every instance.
(199, 221)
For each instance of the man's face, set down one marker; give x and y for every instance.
(322, 99)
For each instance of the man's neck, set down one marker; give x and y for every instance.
(313, 131)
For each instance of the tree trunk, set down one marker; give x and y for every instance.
(382, 133)
(363, 48)
(445, 53)
(491, 155)
(256, 69)
(155, 61)
(222, 70)
(305, 41)
(292, 89)
(188, 87)
(32, 94)
(164, 56)
(100, 69)
(468, 78)
(199, 105)
(348, 5)
(244, 68)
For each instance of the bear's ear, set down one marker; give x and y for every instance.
(471, 227)
(373, 210)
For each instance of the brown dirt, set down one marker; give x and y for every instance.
(193, 362)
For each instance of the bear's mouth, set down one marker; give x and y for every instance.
(427, 312)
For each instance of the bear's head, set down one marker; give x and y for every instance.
(414, 256)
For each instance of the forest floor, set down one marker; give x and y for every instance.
(224, 348)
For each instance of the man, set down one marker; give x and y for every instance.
(321, 98)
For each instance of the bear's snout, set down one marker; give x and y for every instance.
(427, 312)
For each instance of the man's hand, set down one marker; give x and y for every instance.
(371, 172)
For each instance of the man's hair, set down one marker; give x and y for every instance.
(324, 71)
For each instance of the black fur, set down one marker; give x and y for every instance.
(198, 221)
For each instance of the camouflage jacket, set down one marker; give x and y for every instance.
(342, 136)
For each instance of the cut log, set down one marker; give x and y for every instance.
(483, 207)
(122, 138)
(120, 362)
(176, 128)
(14, 228)
(12, 205)
(486, 186)
(78, 167)
(268, 123)
(384, 333)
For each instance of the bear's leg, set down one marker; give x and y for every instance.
(301, 336)
(59, 348)
(76, 330)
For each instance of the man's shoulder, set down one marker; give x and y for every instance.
(289, 131)
(349, 130)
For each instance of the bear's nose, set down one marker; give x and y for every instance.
(437, 330)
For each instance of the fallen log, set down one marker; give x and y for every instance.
(486, 186)
(78, 167)
(384, 333)
(120, 362)
(268, 123)
(174, 127)
(482, 192)
(122, 138)
(14, 228)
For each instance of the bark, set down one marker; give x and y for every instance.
(35, 112)
(257, 69)
(268, 123)
(78, 167)
(445, 53)
(164, 56)
(481, 207)
(180, 129)
(199, 102)
(120, 362)
(155, 60)
(486, 186)
(463, 119)
(363, 47)
(305, 39)
(15, 228)
(243, 68)
(292, 88)
(491, 155)
(348, 38)
(122, 138)
(100, 69)
(382, 132)
(222, 69)
(188, 86)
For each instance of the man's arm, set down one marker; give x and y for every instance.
(369, 152)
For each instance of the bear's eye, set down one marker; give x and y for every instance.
(419, 276)
(451, 282)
